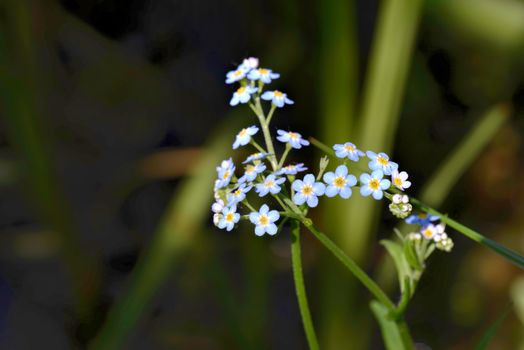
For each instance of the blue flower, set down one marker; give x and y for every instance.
(239, 194)
(264, 220)
(293, 138)
(242, 95)
(348, 150)
(374, 184)
(252, 172)
(291, 169)
(244, 136)
(381, 162)
(339, 182)
(307, 190)
(249, 63)
(278, 98)
(236, 75)
(270, 185)
(264, 75)
(255, 156)
(229, 218)
(421, 219)
(225, 172)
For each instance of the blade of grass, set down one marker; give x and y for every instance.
(21, 93)
(493, 328)
(395, 335)
(183, 218)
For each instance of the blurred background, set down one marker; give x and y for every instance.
(114, 115)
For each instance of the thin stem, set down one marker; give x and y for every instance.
(351, 265)
(270, 115)
(300, 288)
(284, 156)
(285, 207)
(405, 334)
(264, 124)
(258, 147)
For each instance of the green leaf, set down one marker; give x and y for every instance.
(396, 251)
(517, 294)
(411, 256)
(388, 327)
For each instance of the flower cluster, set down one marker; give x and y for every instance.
(266, 175)
(430, 231)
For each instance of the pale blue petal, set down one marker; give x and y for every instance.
(345, 192)
(342, 170)
(331, 191)
(271, 229)
(385, 184)
(319, 188)
(264, 209)
(299, 198)
(268, 95)
(365, 178)
(377, 174)
(309, 179)
(259, 230)
(297, 185)
(273, 215)
(312, 201)
(371, 155)
(328, 177)
(378, 195)
(253, 217)
(365, 191)
(351, 180)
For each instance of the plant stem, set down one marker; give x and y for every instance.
(264, 124)
(258, 147)
(404, 334)
(300, 287)
(286, 152)
(351, 265)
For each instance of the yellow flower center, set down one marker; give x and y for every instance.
(428, 233)
(293, 135)
(237, 73)
(263, 71)
(339, 182)
(229, 217)
(349, 148)
(307, 190)
(241, 90)
(242, 133)
(250, 169)
(382, 160)
(374, 184)
(397, 181)
(277, 93)
(263, 220)
(237, 192)
(270, 184)
(226, 175)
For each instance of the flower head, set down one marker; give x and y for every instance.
(242, 95)
(422, 219)
(429, 232)
(225, 172)
(374, 184)
(293, 138)
(291, 169)
(264, 220)
(400, 180)
(244, 136)
(278, 98)
(348, 150)
(218, 206)
(236, 75)
(252, 172)
(229, 218)
(255, 156)
(381, 162)
(262, 74)
(307, 191)
(249, 63)
(270, 185)
(339, 182)
(239, 194)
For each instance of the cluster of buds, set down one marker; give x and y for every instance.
(400, 206)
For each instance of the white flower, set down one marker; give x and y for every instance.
(400, 179)
(244, 136)
(242, 95)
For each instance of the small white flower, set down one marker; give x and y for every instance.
(242, 95)
(249, 63)
(400, 179)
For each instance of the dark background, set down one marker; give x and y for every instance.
(111, 84)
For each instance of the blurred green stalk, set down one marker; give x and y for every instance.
(23, 109)
(337, 91)
(184, 216)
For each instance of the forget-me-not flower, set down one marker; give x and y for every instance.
(229, 218)
(225, 172)
(291, 169)
(430, 231)
(242, 95)
(244, 136)
(348, 150)
(239, 194)
(339, 182)
(252, 172)
(381, 162)
(278, 98)
(374, 184)
(422, 219)
(400, 180)
(255, 156)
(293, 138)
(262, 74)
(236, 75)
(218, 206)
(264, 220)
(270, 185)
(307, 191)
(249, 63)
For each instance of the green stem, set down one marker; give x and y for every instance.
(351, 265)
(300, 287)
(258, 147)
(284, 156)
(405, 335)
(264, 124)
